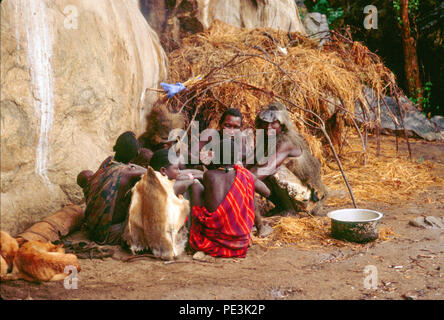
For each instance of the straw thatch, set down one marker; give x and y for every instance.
(310, 233)
(390, 178)
(247, 69)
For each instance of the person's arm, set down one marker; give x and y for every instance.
(274, 161)
(190, 174)
(134, 173)
(197, 194)
(180, 186)
(261, 188)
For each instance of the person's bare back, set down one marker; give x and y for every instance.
(217, 183)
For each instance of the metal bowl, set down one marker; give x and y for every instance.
(355, 225)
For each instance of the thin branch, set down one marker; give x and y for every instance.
(402, 123)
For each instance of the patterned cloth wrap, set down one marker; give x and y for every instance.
(226, 231)
(101, 195)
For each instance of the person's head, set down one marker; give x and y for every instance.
(143, 158)
(160, 162)
(271, 118)
(267, 126)
(126, 147)
(83, 178)
(231, 121)
(227, 155)
(164, 145)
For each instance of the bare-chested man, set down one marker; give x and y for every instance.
(290, 145)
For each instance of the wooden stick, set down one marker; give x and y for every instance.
(364, 147)
(395, 121)
(402, 122)
(321, 127)
(157, 90)
(137, 256)
(378, 128)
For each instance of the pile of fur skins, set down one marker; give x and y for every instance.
(34, 261)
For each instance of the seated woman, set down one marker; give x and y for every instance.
(108, 191)
(143, 158)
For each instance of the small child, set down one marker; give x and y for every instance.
(183, 179)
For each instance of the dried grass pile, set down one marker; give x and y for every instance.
(309, 233)
(390, 178)
(247, 69)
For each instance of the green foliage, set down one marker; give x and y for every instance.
(427, 106)
(323, 6)
(426, 101)
(413, 9)
(397, 7)
(302, 13)
(413, 6)
(426, 26)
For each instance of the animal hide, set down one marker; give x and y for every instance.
(156, 217)
(160, 121)
(35, 260)
(291, 192)
(8, 248)
(61, 223)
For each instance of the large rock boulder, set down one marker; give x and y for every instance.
(316, 26)
(416, 123)
(276, 14)
(74, 75)
(175, 20)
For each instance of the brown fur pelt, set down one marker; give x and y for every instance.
(8, 248)
(61, 223)
(34, 261)
(335, 129)
(156, 217)
(160, 121)
(305, 167)
(308, 169)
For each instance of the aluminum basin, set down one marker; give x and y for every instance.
(355, 225)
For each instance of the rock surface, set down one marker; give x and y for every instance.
(277, 14)
(293, 195)
(74, 76)
(316, 26)
(416, 123)
(179, 19)
(427, 222)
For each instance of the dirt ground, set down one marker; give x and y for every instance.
(410, 266)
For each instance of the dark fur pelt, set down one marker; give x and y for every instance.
(160, 122)
(306, 167)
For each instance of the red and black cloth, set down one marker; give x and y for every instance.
(226, 231)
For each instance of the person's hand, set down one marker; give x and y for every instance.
(206, 156)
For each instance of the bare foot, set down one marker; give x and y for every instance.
(201, 256)
(264, 231)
